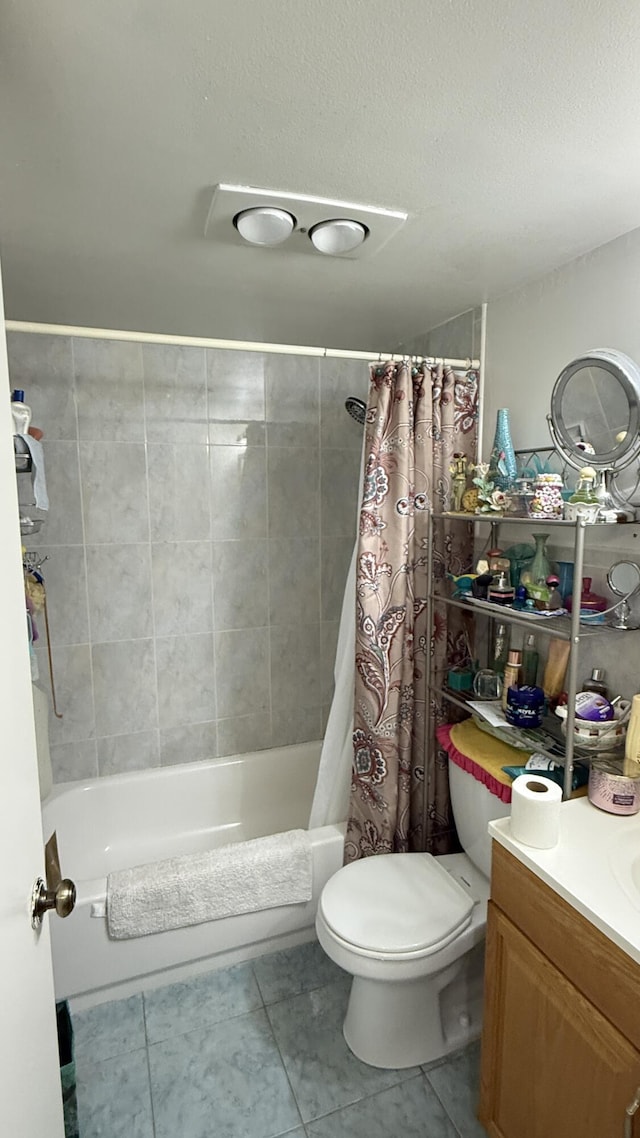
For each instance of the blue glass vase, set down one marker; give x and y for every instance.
(504, 470)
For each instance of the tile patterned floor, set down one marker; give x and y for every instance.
(256, 1051)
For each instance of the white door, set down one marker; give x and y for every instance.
(30, 1094)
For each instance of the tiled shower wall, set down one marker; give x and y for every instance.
(201, 524)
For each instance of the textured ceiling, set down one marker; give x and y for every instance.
(507, 130)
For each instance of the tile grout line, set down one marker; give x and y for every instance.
(94, 735)
(268, 545)
(284, 1067)
(148, 1056)
(210, 539)
(149, 546)
(425, 1076)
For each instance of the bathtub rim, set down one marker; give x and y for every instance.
(172, 770)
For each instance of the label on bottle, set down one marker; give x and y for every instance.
(502, 596)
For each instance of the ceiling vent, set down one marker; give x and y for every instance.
(246, 215)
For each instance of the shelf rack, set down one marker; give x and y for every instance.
(567, 628)
(22, 456)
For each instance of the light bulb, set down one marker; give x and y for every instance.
(265, 225)
(337, 236)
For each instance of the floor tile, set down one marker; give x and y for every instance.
(294, 970)
(205, 999)
(324, 1074)
(227, 1081)
(410, 1110)
(113, 1097)
(109, 1029)
(457, 1085)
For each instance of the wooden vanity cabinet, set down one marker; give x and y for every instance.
(561, 1035)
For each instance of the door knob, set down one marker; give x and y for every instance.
(62, 899)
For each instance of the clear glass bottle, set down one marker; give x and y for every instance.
(530, 662)
(500, 649)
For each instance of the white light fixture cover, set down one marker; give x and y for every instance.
(309, 212)
(265, 225)
(338, 236)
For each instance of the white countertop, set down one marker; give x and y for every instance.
(592, 867)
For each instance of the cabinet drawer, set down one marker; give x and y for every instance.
(608, 978)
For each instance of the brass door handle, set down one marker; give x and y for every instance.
(629, 1113)
(62, 899)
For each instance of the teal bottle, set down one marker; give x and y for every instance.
(502, 465)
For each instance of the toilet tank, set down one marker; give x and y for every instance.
(474, 806)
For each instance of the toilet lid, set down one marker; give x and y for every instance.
(395, 903)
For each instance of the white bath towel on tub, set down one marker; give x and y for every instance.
(240, 878)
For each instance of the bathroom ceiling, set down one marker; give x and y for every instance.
(507, 130)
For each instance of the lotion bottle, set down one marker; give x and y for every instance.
(21, 413)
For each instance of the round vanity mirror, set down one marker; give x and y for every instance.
(595, 421)
(623, 579)
(595, 410)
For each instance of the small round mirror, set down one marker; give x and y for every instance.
(595, 410)
(623, 578)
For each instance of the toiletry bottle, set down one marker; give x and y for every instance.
(584, 494)
(500, 649)
(501, 592)
(530, 662)
(21, 413)
(511, 673)
(596, 683)
(555, 669)
(555, 597)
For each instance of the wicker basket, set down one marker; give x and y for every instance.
(609, 736)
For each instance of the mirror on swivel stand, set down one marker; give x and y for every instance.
(623, 579)
(595, 421)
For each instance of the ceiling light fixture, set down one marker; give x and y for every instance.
(241, 215)
(337, 236)
(265, 225)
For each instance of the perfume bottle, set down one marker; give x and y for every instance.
(583, 503)
(555, 598)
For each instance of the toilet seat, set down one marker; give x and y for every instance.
(402, 905)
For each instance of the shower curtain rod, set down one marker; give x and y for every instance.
(230, 345)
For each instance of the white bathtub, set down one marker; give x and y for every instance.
(113, 823)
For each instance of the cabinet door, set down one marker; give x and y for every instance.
(552, 1065)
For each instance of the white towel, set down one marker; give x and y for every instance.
(240, 878)
(34, 448)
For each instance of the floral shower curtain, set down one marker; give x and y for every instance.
(417, 418)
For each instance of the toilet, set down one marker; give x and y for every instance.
(410, 929)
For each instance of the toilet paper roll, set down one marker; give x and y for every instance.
(535, 811)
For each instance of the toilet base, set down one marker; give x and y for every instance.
(397, 1024)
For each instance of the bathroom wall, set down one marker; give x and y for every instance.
(532, 333)
(202, 519)
(458, 338)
